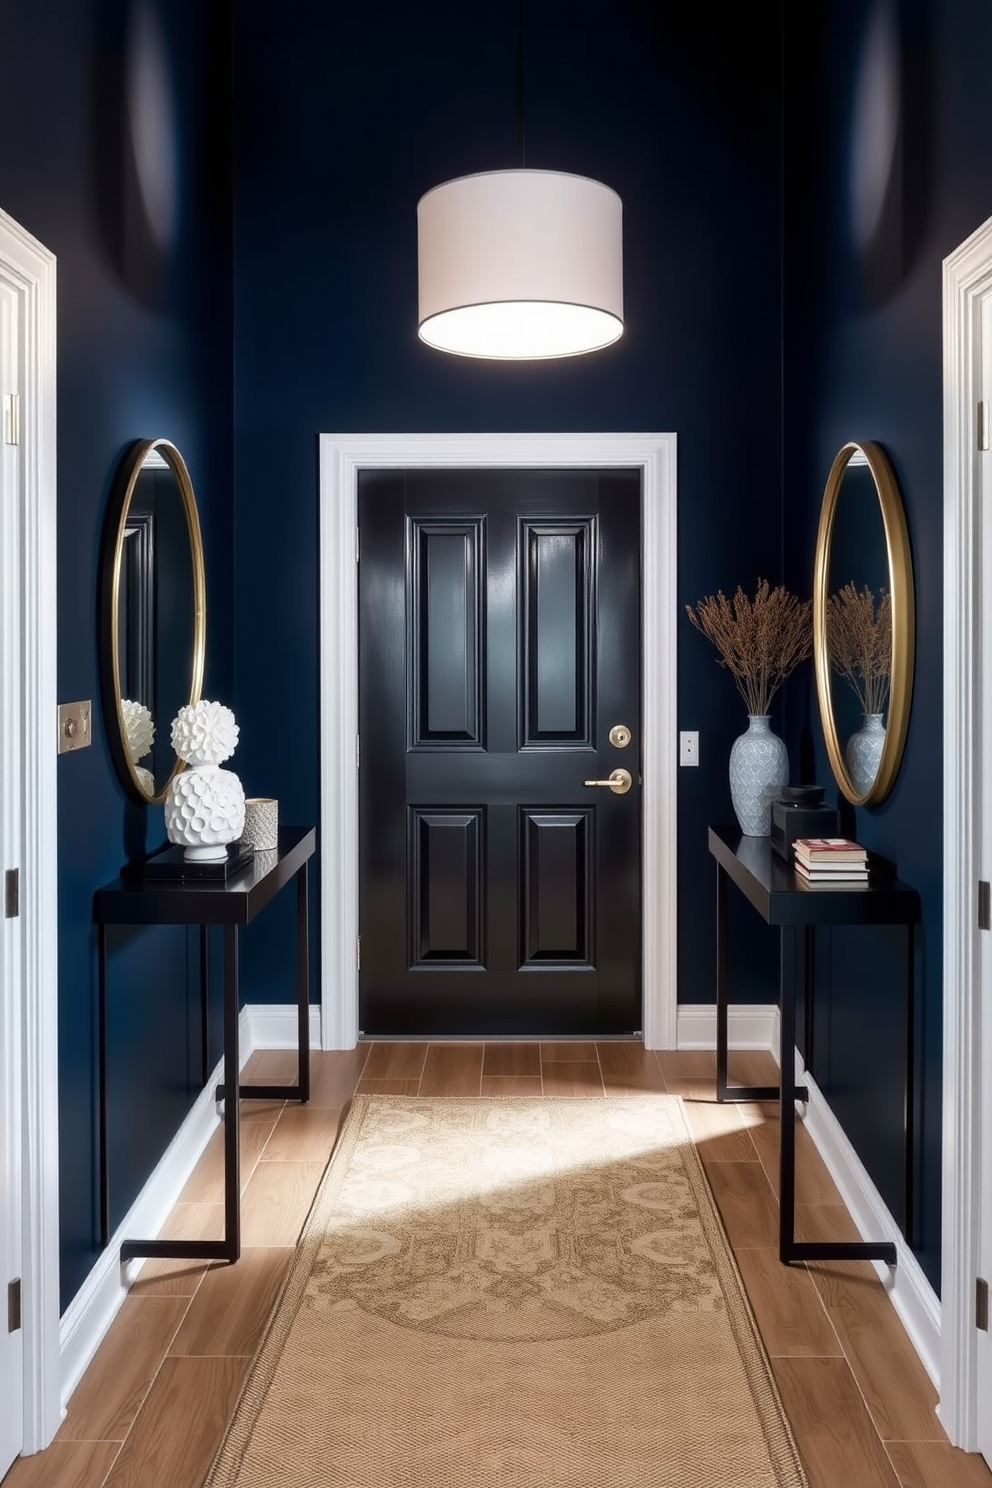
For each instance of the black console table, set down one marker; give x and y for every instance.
(769, 883)
(230, 903)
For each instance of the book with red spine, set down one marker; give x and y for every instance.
(828, 850)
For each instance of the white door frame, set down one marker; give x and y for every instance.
(342, 456)
(967, 281)
(28, 269)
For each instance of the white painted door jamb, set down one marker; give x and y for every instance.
(967, 281)
(342, 456)
(28, 269)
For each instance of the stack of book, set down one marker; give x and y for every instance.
(830, 860)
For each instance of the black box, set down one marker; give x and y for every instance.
(171, 864)
(800, 812)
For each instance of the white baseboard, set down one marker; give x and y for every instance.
(917, 1305)
(273, 1025)
(95, 1305)
(749, 1026)
(910, 1293)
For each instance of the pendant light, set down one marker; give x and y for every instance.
(520, 264)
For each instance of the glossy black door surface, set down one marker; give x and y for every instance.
(499, 643)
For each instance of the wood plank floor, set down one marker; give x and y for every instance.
(152, 1407)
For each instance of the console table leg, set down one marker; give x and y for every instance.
(232, 1113)
(104, 1121)
(808, 1045)
(787, 1097)
(721, 983)
(204, 1007)
(724, 1090)
(909, 1112)
(303, 981)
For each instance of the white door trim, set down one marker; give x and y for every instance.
(967, 280)
(29, 269)
(342, 456)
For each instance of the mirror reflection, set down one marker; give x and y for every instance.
(154, 607)
(863, 622)
(859, 623)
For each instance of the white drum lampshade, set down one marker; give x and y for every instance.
(520, 264)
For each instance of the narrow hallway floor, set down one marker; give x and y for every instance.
(152, 1407)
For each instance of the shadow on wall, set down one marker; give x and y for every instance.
(136, 154)
(889, 170)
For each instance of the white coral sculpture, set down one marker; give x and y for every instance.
(139, 730)
(204, 733)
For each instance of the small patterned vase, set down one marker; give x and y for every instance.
(204, 811)
(863, 754)
(759, 768)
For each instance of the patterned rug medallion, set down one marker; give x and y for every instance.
(523, 1292)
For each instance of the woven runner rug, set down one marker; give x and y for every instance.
(522, 1292)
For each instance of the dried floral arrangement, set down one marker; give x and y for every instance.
(760, 640)
(859, 643)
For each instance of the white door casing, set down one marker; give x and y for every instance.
(11, 1341)
(983, 1155)
(342, 456)
(983, 1338)
(967, 716)
(28, 829)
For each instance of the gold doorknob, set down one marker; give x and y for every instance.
(619, 782)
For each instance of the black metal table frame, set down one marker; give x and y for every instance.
(228, 905)
(787, 1092)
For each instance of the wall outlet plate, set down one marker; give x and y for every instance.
(689, 747)
(75, 726)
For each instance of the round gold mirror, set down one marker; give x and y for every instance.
(863, 623)
(152, 613)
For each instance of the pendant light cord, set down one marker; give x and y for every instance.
(521, 143)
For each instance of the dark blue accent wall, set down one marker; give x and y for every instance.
(866, 229)
(144, 350)
(760, 329)
(344, 118)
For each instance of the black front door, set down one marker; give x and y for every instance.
(499, 645)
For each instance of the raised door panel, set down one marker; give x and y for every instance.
(556, 889)
(446, 633)
(445, 882)
(557, 613)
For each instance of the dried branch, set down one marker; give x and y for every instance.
(760, 640)
(859, 643)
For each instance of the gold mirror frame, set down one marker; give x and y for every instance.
(117, 516)
(900, 564)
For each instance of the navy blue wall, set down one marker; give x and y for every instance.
(863, 361)
(339, 125)
(344, 117)
(144, 350)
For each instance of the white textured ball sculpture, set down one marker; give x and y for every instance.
(205, 805)
(146, 780)
(204, 811)
(139, 730)
(204, 733)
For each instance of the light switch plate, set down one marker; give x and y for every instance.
(75, 726)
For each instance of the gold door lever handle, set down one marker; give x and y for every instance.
(619, 782)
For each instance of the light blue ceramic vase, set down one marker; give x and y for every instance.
(759, 768)
(864, 752)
